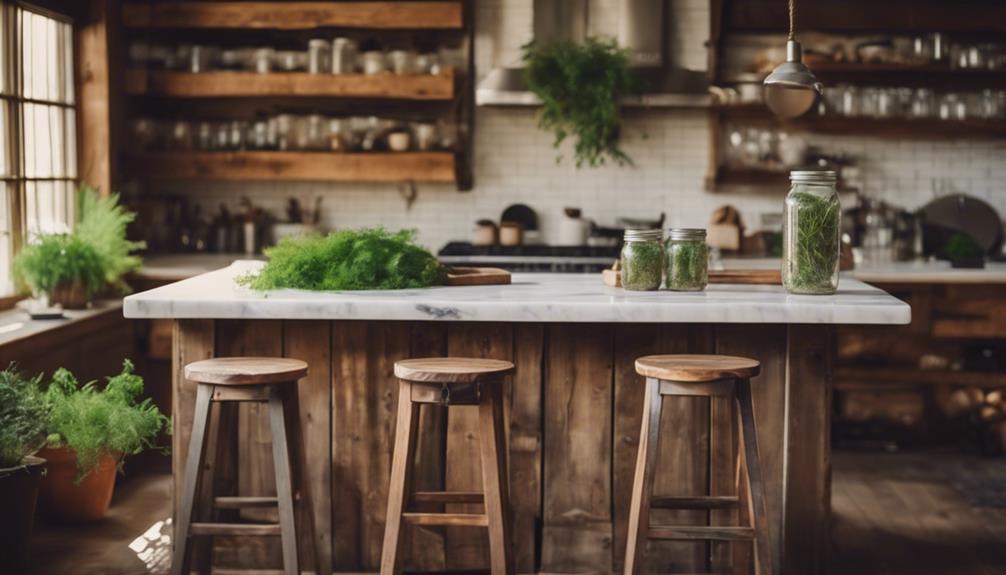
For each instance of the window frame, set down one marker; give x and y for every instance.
(12, 72)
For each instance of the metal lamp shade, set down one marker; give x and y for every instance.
(791, 89)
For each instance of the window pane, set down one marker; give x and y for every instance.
(70, 147)
(4, 140)
(49, 207)
(6, 283)
(46, 146)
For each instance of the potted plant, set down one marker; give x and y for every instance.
(90, 430)
(580, 86)
(62, 267)
(22, 431)
(963, 252)
(68, 269)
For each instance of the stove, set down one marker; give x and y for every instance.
(532, 258)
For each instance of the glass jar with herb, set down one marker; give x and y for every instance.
(687, 259)
(811, 231)
(642, 260)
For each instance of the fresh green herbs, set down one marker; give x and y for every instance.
(94, 422)
(687, 265)
(23, 415)
(580, 86)
(96, 254)
(642, 265)
(811, 236)
(348, 260)
(102, 223)
(58, 260)
(961, 246)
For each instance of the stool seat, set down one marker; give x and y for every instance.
(452, 369)
(697, 368)
(246, 370)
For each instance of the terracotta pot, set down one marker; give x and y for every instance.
(18, 492)
(65, 500)
(69, 295)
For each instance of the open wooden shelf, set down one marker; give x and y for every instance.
(296, 166)
(295, 15)
(290, 84)
(913, 376)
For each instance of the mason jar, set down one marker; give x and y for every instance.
(642, 260)
(687, 259)
(811, 233)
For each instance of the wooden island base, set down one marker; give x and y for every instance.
(573, 413)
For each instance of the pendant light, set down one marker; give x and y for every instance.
(791, 89)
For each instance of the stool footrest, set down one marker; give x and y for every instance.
(234, 529)
(447, 519)
(700, 502)
(240, 502)
(698, 533)
(448, 497)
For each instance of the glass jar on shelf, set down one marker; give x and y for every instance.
(687, 259)
(642, 260)
(811, 233)
(319, 56)
(263, 59)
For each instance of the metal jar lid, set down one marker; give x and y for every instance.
(813, 176)
(686, 234)
(643, 235)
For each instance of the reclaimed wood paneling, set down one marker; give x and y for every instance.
(364, 391)
(577, 507)
(525, 444)
(808, 449)
(193, 341)
(310, 341)
(426, 545)
(468, 548)
(766, 343)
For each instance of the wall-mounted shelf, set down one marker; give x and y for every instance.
(296, 166)
(293, 84)
(295, 15)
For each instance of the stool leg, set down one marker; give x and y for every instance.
(401, 478)
(302, 487)
(642, 484)
(284, 485)
(764, 556)
(193, 465)
(494, 478)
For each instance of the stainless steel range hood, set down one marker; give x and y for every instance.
(640, 28)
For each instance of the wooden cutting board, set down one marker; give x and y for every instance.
(477, 276)
(758, 277)
(613, 278)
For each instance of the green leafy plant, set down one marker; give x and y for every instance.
(580, 86)
(642, 266)
(58, 259)
(102, 223)
(687, 266)
(94, 421)
(811, 257)
(23, 415)
(961, 246)
(348, 260)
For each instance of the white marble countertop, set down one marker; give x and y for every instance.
(530, 298)
(909, 272)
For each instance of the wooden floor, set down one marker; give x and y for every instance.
(895, 514)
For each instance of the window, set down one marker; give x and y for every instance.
(38, 150)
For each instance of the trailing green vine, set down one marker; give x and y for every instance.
(580, 86)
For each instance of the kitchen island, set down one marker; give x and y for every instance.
(572, 409)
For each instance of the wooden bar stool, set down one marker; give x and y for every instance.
(451, 382)
(702, 376)
(227, 381)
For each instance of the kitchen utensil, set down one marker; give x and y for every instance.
(573, 229)
(511, 234)
(402, 61)
(527, 218)
(477, 276)
(486, 233)
(426, 136)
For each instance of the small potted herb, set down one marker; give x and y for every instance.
(22, 432)
(963, 252)
(90, 430)
(580, 86)
(62, 267)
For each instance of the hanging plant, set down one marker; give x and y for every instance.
(580, 86)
